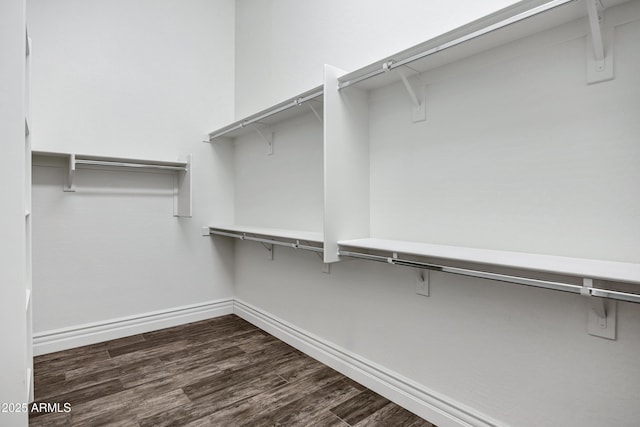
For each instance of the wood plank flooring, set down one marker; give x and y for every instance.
(218, 372)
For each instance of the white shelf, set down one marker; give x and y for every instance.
(580, 267)
(515, 22)
(182, 201)
(290, 108)
(306, 236)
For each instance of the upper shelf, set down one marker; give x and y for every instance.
(284, 110)
(243, 230)
(515, 22)
(579, 267)
(95, 160)
(182, 185)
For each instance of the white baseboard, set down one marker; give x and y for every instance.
(438, 409)
(426, 403)
(91, 333)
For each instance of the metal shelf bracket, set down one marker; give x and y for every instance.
(71, 186)
(423, 282)
(601, 314)
(267, 138)
(418, 98)
(599, 45)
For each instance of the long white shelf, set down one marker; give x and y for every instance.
(305, 236)
(512, 23)
(284, 110)
(579, 267)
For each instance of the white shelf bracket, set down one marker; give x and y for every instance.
(267, 138)
(269, 248)
(422, 282)
(315, 112)
(326, 267)
(599, 46)
(182, 194)
(418, 98)
(601, 315)
(71, 186)
(206, 231)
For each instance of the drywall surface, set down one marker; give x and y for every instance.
(519, 153)
(282, 45)
(129, 79)
(284, 189)
(13, 323)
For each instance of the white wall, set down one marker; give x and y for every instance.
(282, 45)
(13, 279)
(144, 79)
(515, 354)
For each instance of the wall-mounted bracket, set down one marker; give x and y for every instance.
(326, 267)
(206, 231)
(267, 138)
(269, 248)
(182, 194)
(422, 282)
(601, 314)
(315, 112)
(71, 186)
(418, 98)
(599, 46)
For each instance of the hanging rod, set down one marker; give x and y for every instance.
(265, 114)
(243, 236)
(127, 164)
(557, 286)
(457, 40)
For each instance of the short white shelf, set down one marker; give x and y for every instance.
(296, 239)
(292, 107)
(304, 236)
(182, 200)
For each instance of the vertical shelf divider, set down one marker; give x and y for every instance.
(346, 163)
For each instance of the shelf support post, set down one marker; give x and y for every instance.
(599, 46)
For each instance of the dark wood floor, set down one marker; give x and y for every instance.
(218, 372)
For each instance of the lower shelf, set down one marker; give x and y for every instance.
(615, 280)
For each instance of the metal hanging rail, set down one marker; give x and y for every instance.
(244, 236)
(557, 286)
(128, 164)
(458, 36)
(295, 102)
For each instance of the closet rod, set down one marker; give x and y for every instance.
(472, 34)
(293, 103)
(268, 241)
(131, 165)
(557, 286)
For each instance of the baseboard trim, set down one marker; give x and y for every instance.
(426, 403)
(91, 333)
